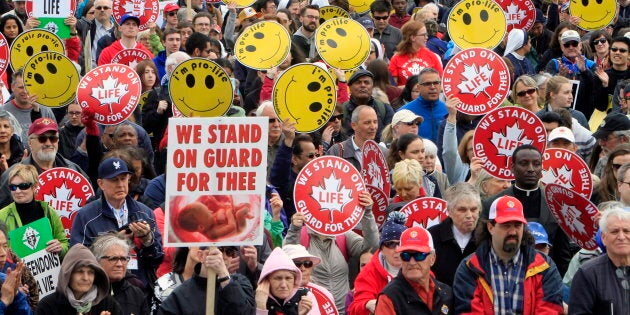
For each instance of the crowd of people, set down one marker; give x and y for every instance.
(499, 251)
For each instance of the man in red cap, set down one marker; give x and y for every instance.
(415, 290)
(506, 275)
(170, 16)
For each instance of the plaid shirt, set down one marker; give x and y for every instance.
(507, 283)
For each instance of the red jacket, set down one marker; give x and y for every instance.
(108, 53)
(542, 287)
(369, 283)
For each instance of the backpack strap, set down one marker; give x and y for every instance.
(340, 241)
(305, 239)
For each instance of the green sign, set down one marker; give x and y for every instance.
(31, 238)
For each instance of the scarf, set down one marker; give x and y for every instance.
(85, 304)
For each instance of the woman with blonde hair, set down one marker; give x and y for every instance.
(525, 93)
(407, 177)
(412, 54)
(560, 95)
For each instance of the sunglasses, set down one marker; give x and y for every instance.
(21, 186)
(621, 50)
(172, 13)
(526, 92)
(102, 8)
(306, 264)
(336, 117)
(311, 155)
(391, 244)
(114, 259)
(600, 41)
(570, 44)
(381, 18)
(430, 83)
(417, 256)
(273, 120)
(412, 123)
(43, 138)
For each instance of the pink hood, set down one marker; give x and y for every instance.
(279, 260)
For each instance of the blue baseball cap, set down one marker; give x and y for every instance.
(126, 17)
(111, 168)
(539, 233)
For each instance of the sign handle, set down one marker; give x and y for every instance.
(212, 280)
(189, 11)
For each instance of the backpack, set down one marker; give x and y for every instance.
(340, 241)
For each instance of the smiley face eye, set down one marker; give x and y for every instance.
(483, 15)
(315, 107)
(190, 80)
(585, 3)
(599, 1)
(331, 43)
(29, 51)
(467, 19)
(39, 78)
(259, 35)
(250, 48)
(314, 86)
(44, 48)
(209, 81)
(341, 32)
(51, 68)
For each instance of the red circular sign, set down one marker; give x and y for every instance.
(130, 57)
(29, 7)
(518, 13)
(500, 132)
(375, 170)
(146, 10)
(66, 191)
(4, 54)
(381, 201)
(574, 213)
(567, 169)
(326, 303)
(479, 78)
(425, 212)
(327, 193)
(112, 91)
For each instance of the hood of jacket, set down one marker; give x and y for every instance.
(279, 260)
(80, 256)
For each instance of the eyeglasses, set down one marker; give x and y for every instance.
(411, 123)
(43, 138)
(622, 274)
(311, 155)
(430, 83)
(417, 256)
(74, 113)
(571, 43)
(616, 166)
(231, 252)
(617, 49)
(380, 18)
(115, 259)
(203, 24)
(336, 117)
(306, 264)
(172, 13)
(600, 41)
(391, 244)
(312, 17)
(21, 186)
(103, 8)
(526, 92)
(423, 34)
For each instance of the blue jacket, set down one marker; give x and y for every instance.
(96, 218)
(160, 62)
(433, 113)
(19, 306)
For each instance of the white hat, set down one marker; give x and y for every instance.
(299, 251)
(570, 35)
(405, 115)
(561, 133)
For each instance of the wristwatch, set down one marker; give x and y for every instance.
(222, 279)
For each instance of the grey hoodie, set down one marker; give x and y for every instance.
(80, 256)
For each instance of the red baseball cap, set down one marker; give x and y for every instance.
(415, 239)
(171, 7)
(506, 209)
(42, 125)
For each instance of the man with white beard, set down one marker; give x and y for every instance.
(43, 141)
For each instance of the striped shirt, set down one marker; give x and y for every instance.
(507, 283)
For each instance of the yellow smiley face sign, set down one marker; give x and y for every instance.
(143, 99)
(594, 14)
(200, 88)
(263, 45)
(477, 24)
(52, 77)
(360, 6)
(330, 12)
(244, 3)
(305, 94)
(29, 43)
(342, 43)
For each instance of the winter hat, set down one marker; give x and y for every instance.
(393, 227)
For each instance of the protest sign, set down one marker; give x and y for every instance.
(375, 171)
(360, 6)
(29, 43)
(66, 191)
(474, 23)
(4, 54)
(143, 99)
(342, 43)
(327, 193)
(330, 12)
(520, 14)
(130, 57)
(215, 191)
(305, 94)
(574, 214)
(146, 10)
(52, 14)
(244, 3)
(112, 91)
(200, 88)
(594, 15)
(263, 45)
(567, 169)
(52, 77)
(479, 78)
(326, 304)
(381, 201)
(500, 132)
(425, 212)
(29, 243)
